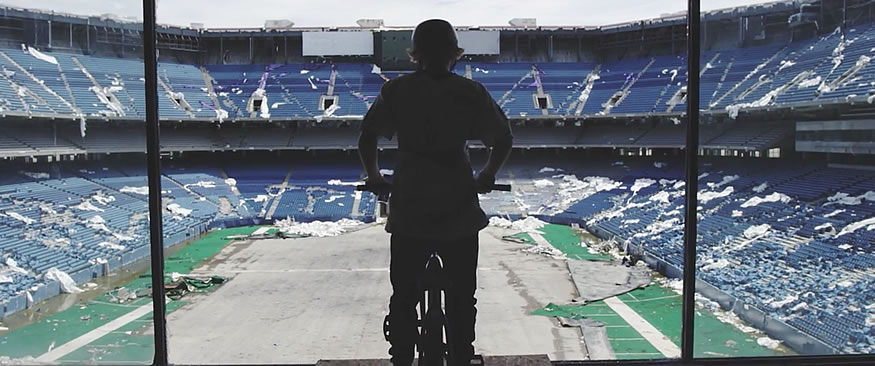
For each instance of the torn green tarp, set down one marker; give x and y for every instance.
(521, 238)
(186, 284)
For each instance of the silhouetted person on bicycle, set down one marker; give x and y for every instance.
(434, 204)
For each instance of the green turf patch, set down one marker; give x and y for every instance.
(36, 338)
(568, 241)
(661, 307)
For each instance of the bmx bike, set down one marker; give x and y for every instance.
(433, 342)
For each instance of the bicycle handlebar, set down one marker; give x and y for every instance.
(495, 187)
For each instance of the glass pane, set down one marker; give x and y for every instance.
(784, 254)
(74, 283)
(259, 138)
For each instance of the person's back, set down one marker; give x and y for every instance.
(434, 204)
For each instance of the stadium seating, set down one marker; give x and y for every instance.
(824, 70)
(89, 217)
(801, 271)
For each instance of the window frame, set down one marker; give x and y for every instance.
(690, 224)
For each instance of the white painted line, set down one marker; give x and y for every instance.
(539, 239)
(647, 330)
(261, 230)
(69, 347)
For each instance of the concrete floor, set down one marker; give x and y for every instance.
(302, 300)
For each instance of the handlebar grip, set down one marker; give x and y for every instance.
(501, 187)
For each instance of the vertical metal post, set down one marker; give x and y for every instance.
(153, 153)
(50, 33)
(692, 177)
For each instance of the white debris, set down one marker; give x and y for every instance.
(659, 164)
(756, 231)
(809, 83)
(110, 245)
(36, 175)
(330, 110)
(541, 183)
(20, 217)
(202, 184)
(845, 283)
(334, 197)
(338, 182)
(850, 228)
(500, 222)
(662, 196)
(231, 182)
(572, 190)
(726, 180)
(547, 169)
(704, 175)
(529, 224)
(785, 64)
(316, 228)
(545, 250)
(774, 197)
(303, 72)
(87, 206)
(824, 226)
(799, 306)
(846, 199)
(376, 70)
(387, 172)
(102, 198)
(122, 237)
(642, 183)
(781, 303)
(587, 90)
(718, 264)
(136, 190)
(39, 55)
(768, 342)
(760, 188)
(13, 266)
(178, 210)
(477, 69)
(737, 213)
(631, 221)
(707, 196)
(675, 284)
(657, 227)
(67, 284)
(221, 115)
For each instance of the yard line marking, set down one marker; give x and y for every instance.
(647, 330)
(97, 333)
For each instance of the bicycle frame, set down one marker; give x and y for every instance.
(432, 348)
(434, 330)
